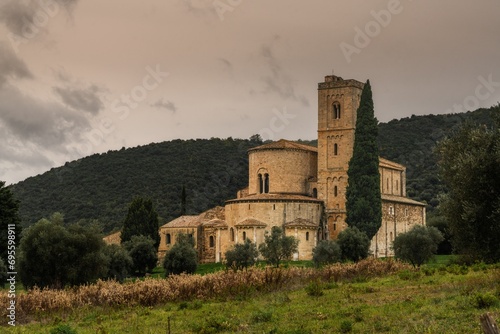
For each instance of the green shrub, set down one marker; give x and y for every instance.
(63, 329)
(418, 245)
(262, 316)
(326, 252)
(242, 255)
(315, 289)
(182, 258)
(119, 262)
(346, 326)
(143, 252)
(354, 244)
(484, 300)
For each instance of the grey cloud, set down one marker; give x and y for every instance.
(279, 82)
(200, 8)
(169, 105)
(20, 15)
(11, 66)
(39, 124)
(86, 99)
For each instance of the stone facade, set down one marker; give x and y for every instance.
(302, 189)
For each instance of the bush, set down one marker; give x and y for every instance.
(326, 252)
(354, 244)
(278, 247)
(242, 255)
(315, 289)
(143, 252)
(418, 245)
(119, 262)
(54, 256)
(484, 300)
(182, 258)
(63, 329)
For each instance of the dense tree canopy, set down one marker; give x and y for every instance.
(9, 207)
(470, 168)
(363, 201)
(141, 219)
(101, 186)
(54, 256)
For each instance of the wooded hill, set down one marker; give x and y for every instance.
(100, 187)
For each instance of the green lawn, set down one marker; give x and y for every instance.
(433, 300)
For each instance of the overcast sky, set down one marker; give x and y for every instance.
(85, 77)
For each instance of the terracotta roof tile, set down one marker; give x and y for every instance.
(400, 199)
(284, 144)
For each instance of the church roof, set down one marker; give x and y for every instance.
(274, 197)
(284, 144)
(400, 199)
(184, 221)
(215, 222)
(390, 164)
(251, 222)
(301, 222)
(214, 216)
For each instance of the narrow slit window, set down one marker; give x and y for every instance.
(266, 183)
(336, 110)
(335, 149)
(212, 241)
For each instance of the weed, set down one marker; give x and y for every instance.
(63, 329)
(314, 289)
(262, 316)
(484, 300)
(409, 275)
(346, 326)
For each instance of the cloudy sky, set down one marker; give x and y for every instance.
(84, 77)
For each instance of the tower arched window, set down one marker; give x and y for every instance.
(335, 191)
(336, 110)
(335, 149)
(212, 241)
(261, 184)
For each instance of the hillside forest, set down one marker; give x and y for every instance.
(190, 176)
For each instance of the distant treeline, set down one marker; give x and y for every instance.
(101, 186)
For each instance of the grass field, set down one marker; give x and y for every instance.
(436, 299)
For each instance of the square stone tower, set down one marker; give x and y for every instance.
(338, 101)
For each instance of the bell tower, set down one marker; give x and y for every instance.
(338, 101)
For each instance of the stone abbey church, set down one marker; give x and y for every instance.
(302, 189)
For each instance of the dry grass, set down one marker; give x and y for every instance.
(219, 285)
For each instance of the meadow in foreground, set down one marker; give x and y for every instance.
(370, 297)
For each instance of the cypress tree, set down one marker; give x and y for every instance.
(364, 203)
(142, 219)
